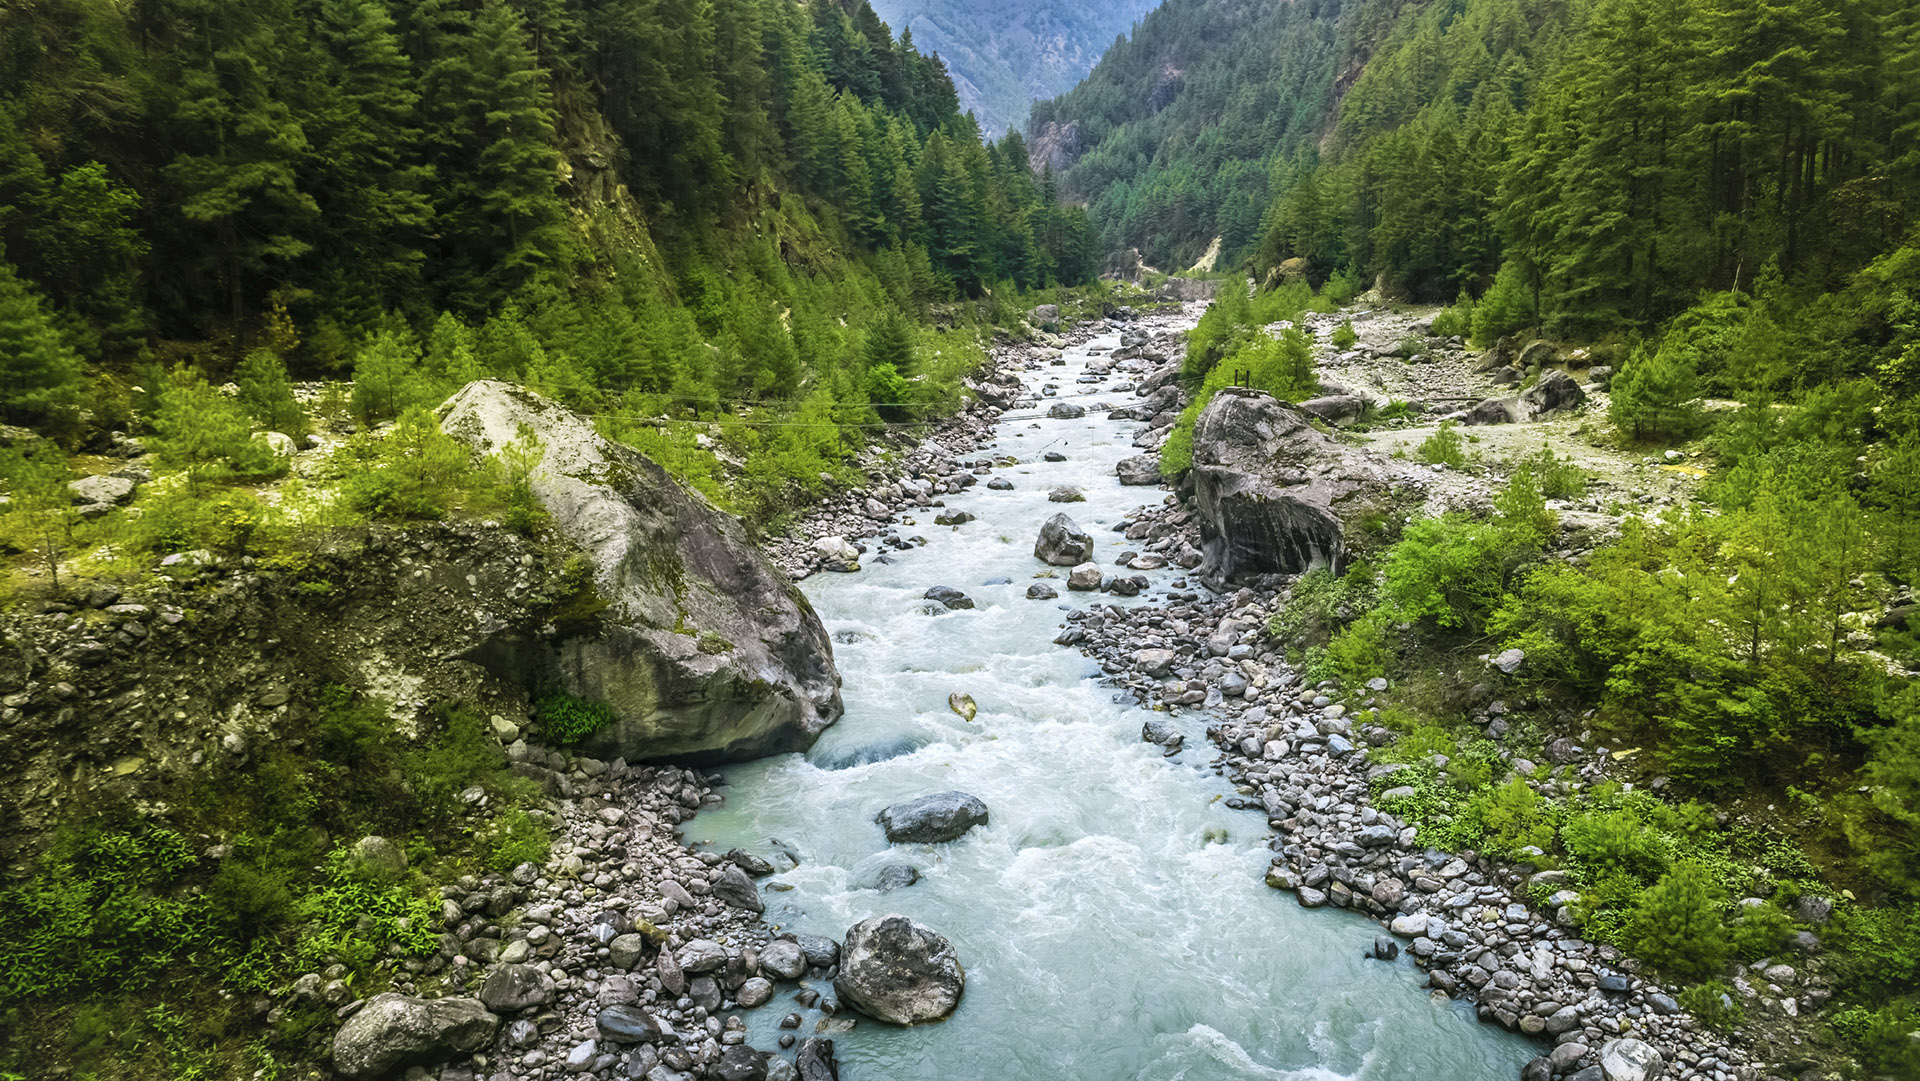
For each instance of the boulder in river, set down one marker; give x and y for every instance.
(896, 970)
(942, 816)
(393, 1031)
(1063, 543)
(1141, 469)
(1041, 591)
(950, 597)
(1084, 577)
(963, 704)
(735, 888)
(1066, 493)
(700, 647)
(1067, 411)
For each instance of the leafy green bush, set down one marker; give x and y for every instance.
(1506, 308)
(1450, 570)
(565, 719)
(355, 922)
(1759, 931)
(1884, 1037)
(416, 472)
(1456, 320)
(1676, 924)
(1558, 478)
(1654, 394)
(1444, 446)
(1713, 1004)
(518, 838)
(1357, 653)
(1344, 336)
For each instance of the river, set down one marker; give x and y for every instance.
(1111, 916)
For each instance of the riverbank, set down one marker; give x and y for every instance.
(1305, 756)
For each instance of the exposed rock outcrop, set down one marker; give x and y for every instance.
(704, 649)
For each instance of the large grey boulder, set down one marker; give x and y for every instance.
(515, 987)
(704, 650)
(1334, 408)
(1555, 391)
(894, 969)
(942, 816)
(1063, 543)
(108, 490)
(1255, 518)
(1630, 1060)
(393, 1031)
(1274, 494)
(1139, 470)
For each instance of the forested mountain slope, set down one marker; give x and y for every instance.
(1624, 154)
(1005, 54)
(653, 209)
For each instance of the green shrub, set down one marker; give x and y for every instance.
(416, 472)
(1451, 570)
(357, 922)
(1507, 306)
(1444, 446)
(1558, 478)
(1759, 931)
(1654, 394)
(519, 838)
(1341, 287)
(565, 719)
(1713, 1004)
(1884, 1037)
(1457, 320)
(1344, 336)
(1676, 924)
(1358, 653)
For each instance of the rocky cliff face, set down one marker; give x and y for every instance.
(704, 650)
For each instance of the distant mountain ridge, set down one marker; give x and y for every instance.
(1006, 54)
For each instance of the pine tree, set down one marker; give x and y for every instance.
(518, 167)
(203, 433)
(368, 148)
(267, 393)
(237, 178)
(39, 374)
(1676, 923)
(387, 376)
(1653, 395)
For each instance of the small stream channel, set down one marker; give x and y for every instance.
(1111, 917)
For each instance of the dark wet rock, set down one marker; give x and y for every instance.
(815, 1061)
(1141, 469)
(950, 597)
(942, 816)
(735, 888)
(1041, 591)
(895, 876)
(514, 987)
(1067, 411)
(896, 970)
(627, 1024)
(1063, 543)
(820, 951)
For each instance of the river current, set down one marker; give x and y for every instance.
(1111, 916)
